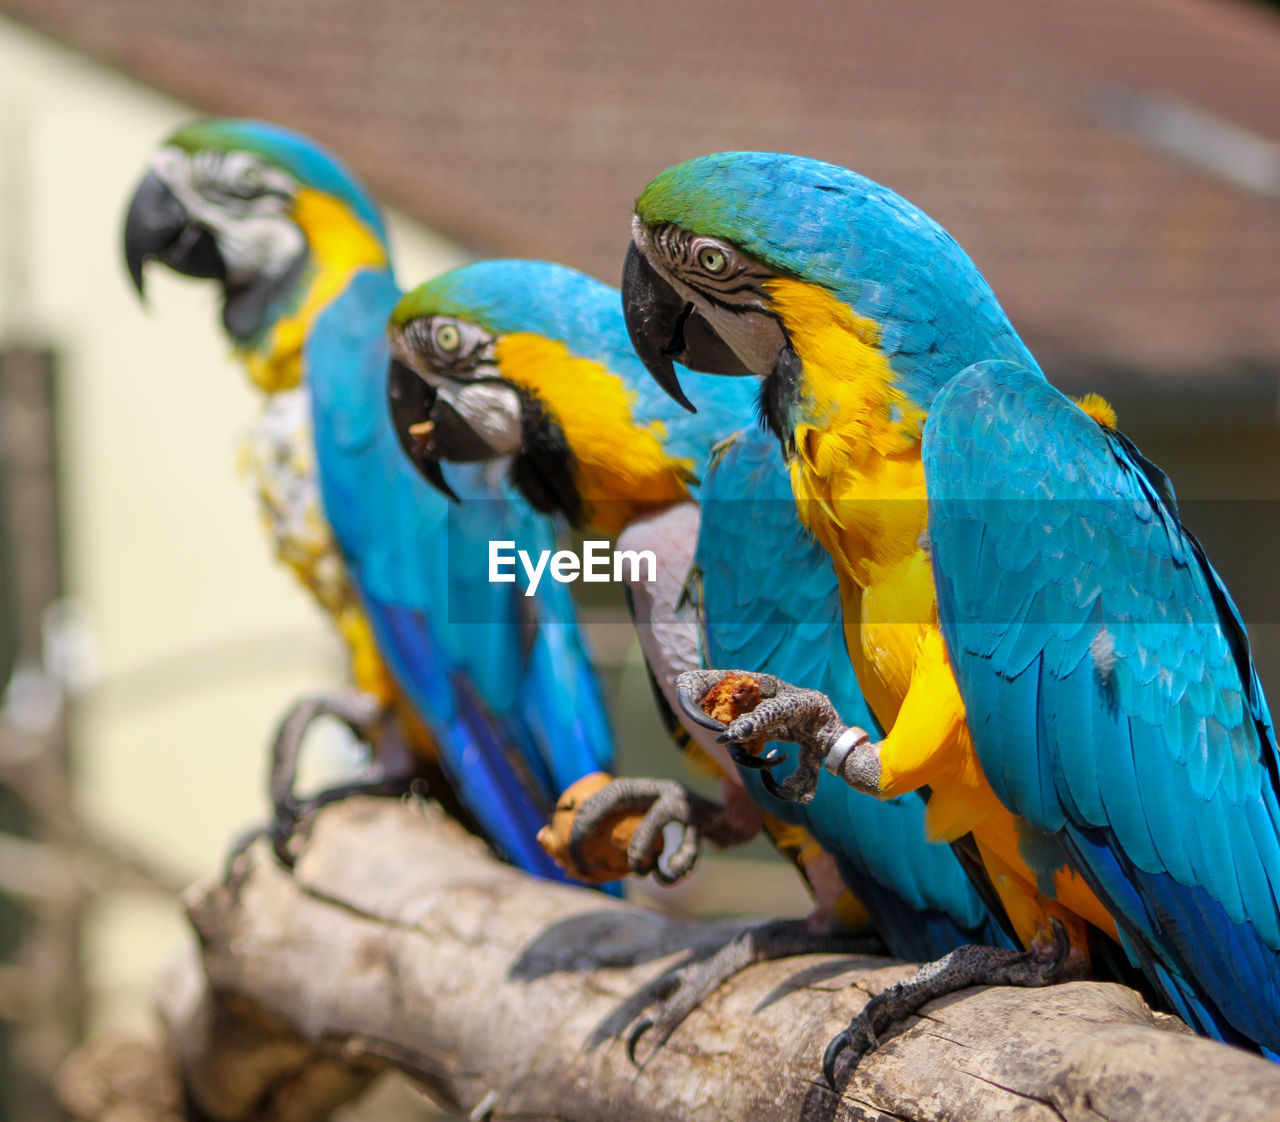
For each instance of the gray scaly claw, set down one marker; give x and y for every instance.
(964, 967)
(358, 711)
(786, 712)
(667, 802)
(743, 758)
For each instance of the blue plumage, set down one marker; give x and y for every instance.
(1153, 759)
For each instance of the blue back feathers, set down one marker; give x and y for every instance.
(1108, 684)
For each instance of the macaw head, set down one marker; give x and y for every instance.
(530, 360)
(818, 281)
(271, 216)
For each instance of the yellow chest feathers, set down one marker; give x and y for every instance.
(859, 485)
(856, 473)
(340, 245)
(619, 462)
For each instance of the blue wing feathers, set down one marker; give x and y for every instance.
(1154, 757)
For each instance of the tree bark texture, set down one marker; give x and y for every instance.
(398, 942)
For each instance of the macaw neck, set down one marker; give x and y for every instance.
(856, 470)
(582, 428)
(339, 246)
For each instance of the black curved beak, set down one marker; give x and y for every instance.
(666, 329)
(412, 402)
(655, 315)
(158, 227)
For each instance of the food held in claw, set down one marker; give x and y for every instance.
(605, 851)
(729, 698)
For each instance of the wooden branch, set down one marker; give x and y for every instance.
(397, 942)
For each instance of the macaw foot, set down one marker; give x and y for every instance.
(664, 802)
(360, 713)
(681, 991)
(1044, 964)
(283, 829)
(785, 712)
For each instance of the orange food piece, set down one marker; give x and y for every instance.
(730, 697)
(605, 851)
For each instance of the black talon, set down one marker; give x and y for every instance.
(780, 792)
(831, 1057)
(743, 758)
(283, 826)
(692, 707)
(1061, 943)
(633, 1038)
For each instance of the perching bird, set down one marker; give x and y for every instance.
(1046, 645)
(532, 360)
(495, 686)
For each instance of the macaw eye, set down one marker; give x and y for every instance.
(448, 344)
(448, 338)
(239, 177)
(712, 259)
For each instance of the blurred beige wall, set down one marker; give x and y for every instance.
(198, 640)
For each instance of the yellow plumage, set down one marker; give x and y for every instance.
(859, 485)
(1099, 408)
(620, 465)
(340, 246)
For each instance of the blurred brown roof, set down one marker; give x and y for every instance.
(527, 128)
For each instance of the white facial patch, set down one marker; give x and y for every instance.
(256, 236)
(260, 245)
(492, 409)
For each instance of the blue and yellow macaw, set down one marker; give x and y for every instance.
(495, 686)
(1045, 644)
(532, 360)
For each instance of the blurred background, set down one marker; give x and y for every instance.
(1113, 166)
